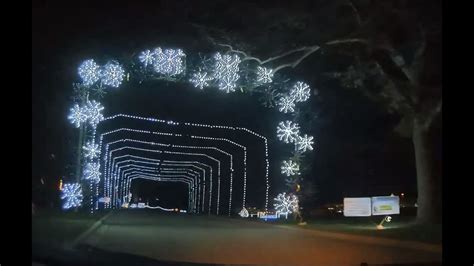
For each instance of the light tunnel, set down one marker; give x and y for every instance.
(173, 146)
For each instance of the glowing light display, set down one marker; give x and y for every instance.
(288, 131)
(71, 194)
(290, 168)
(304, 143)
(89, 72)
(286, 204)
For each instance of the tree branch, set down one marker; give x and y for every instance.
(356, 13)
(433, 114)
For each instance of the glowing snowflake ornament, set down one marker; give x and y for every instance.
(72, 195)
(286, 104)
(169, 61)
(200, 80)
(92, 172)
(93, 110)
(287, 131)
(91, 150)
(286, 204)
(300, 92)
(226, 70)
(290, 168)
(304, 143)
(77, 115)
(264, 75)
(89, 72)
(147, 58)
(244, 213)
(112, 74)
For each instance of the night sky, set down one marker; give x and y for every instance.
(356, 151)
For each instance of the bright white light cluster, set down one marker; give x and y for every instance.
(244, 213)
(300, 92)
(168, 61)
(94, 112)
(92, 172)
(147, 58)
(286, 104)
(72, 195)
(200, 80)
(288, 131)
(304, 143)
(290, 168)
(112, 74)
(264, 75)
(226, 70)
(286, 204)
(91, 150)
(89, 72)
(77, 115)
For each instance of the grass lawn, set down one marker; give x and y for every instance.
(58, 228)
(399, 228)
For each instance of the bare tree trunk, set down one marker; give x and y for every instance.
(428, 181)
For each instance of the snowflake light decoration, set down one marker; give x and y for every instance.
(91, 150)
(112, 74)
(72, 195)
(77, 115)
(226, 70)
(304, 143)
(287, 131)
(244, 213)
(286, 104)
(147, 58)
(300, 92)
(286, 204)
(89, 72)
(93, 110)
(290, 168)
(92, 172)
(200, 80)
(264, 75)
(169, 61)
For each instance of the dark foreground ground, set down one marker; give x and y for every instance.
(138, 237)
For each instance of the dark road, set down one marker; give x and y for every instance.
(235, 241)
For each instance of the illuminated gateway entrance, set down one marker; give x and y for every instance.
(211, 160)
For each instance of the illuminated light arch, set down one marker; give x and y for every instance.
(224, 73)
(244, 149)
(172, 163)
(189, 176)
(188, 166)
(218, 162)
(172, 179)
(178, 146)
(190, 193)
(194, 174)
(242, 129)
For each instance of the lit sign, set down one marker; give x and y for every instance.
(357, 207)
(141, 205)
(385, 205)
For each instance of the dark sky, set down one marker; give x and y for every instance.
(356, 151)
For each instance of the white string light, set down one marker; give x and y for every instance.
(267, 162)
(169, 152)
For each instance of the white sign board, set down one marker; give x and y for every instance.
(385, 205)
(141, 205)
(357, 207)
